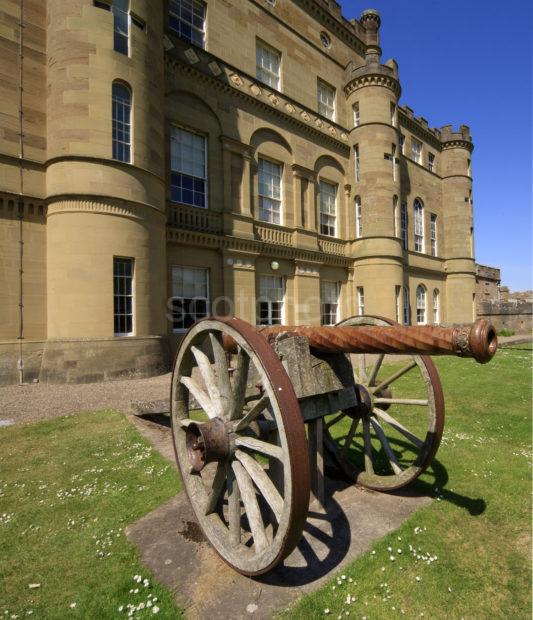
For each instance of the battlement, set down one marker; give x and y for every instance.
(443, 134)
(448, 134)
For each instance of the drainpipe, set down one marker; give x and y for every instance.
(20, 362)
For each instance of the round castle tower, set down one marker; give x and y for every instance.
(99, 208)
(460, 266)
(373, 90)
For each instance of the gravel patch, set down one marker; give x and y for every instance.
(31, 403)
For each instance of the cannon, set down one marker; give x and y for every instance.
(256, 413)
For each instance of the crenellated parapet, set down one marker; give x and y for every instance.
(456, 139)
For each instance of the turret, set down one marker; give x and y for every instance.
(373, 91)
(105, 174)
(456, 170)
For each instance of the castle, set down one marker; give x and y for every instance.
(162, 160)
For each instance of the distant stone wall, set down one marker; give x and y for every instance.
(515, 315)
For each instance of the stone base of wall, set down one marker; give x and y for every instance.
(84, 360)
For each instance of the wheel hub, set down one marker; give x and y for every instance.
(207, 443)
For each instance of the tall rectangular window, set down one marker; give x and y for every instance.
(431, 162)
(402, 144)
(418, 212)
(358, 217)
(395, 215)
(271, 293)
(187, 19)
(123, 296)
(416, 150)
(360, 301)
(188, 168)
(357, 163)
(329, 302)
(121, 26)
(436, 306)
(433, 234)
(406, 306)
(469, 167)
(356, 115)
(121, 122)
(326, 100)
(268, 62)
(393, 162)
(190, 296)
(398, 302)
(393, 114)
(269, 191)
(404, 225)
(328, 210)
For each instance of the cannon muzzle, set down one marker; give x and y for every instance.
(477, 340)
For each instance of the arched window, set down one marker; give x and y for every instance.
(436, 309)
(406, 308)
(421, 304)
(418, 210)
(358, 217)
(121, 111)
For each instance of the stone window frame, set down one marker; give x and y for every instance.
(122, 121)
(325, 92)
(329, 310)
(417, 149)
(418, 225)
(275, 308)
(120, 10)
(395, 215)
(404, 225)
(327, 217)
(436, 306)
(357, 163)
(433, 234)
(432, 165)
(265, 74)
(178, 11)
(204, 179)
(360, 301)
(406, 306)
(421, 304)
(358, 217)
(196, 314)
(267, 197)
(356, 114)
(398, 302)
(123, 296)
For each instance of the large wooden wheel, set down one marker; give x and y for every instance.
(391, 437)
(240, 444)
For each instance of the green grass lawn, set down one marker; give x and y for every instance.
(67, 490)
(468, 554)
(69, 487)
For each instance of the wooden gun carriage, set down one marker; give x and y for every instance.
(242, 398)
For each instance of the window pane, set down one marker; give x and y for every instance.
(190, 296)
(123, 296)
(187, 19)
(188, 165)
(121, 122)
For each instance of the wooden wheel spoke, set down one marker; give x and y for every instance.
(234, 507)
(399, 427)
(210, 381)
(386, 446)
(251, 507)
(239, 385)
(362, 368)
(394, 377)
(351, 435)
(336, 419)
(423, 402)
(221, 371)
(257, 445)
(375, 369)
(262, 482)
(253, 413)
(201, 397)
(369, 467)
(216, 488)
(184, 423)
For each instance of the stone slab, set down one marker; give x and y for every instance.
(173, 548)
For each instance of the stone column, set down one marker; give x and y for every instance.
(245, 188)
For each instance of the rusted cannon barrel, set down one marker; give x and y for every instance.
(477, 340)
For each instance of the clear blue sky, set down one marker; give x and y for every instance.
(470, 61)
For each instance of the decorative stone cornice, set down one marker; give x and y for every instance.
(235, 146)
(238, 83)
(373, 79)
(304, 173)
(253, 247)
(101, 205)
(458, 144)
